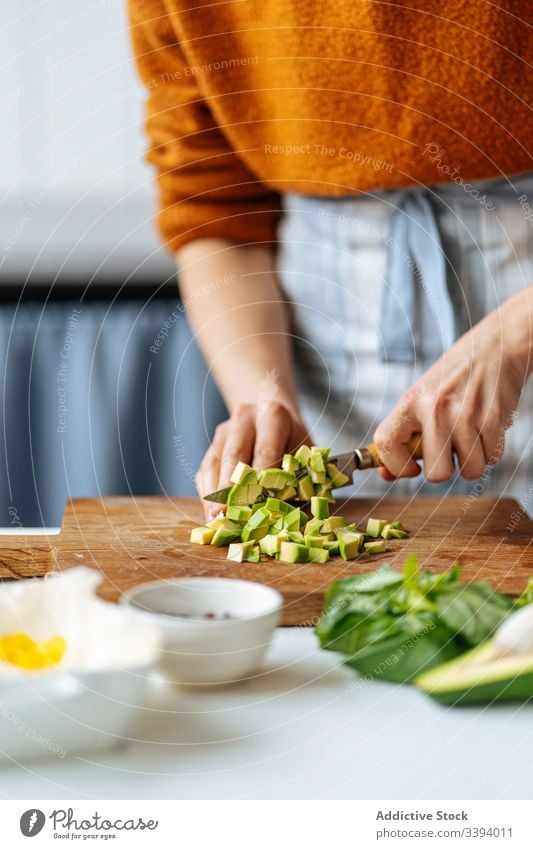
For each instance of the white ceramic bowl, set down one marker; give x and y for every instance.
(63, 714)
(200, 650)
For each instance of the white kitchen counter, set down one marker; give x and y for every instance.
(304, 727)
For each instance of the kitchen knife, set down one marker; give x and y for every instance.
(349, 463)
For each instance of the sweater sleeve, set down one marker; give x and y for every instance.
(205, 189)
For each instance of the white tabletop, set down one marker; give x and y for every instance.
(303, 727)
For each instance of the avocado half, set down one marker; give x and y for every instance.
(480, 677)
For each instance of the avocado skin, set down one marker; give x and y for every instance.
(515, 689)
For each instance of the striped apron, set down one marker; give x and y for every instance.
(382, 283)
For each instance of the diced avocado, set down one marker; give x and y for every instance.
(337, 477)
(217, 522)
(480, 676)
(333, 523)
(296, 536)
(324, 452)
(240, 472)
(396, 533)
(287, 493)
(319, 507)
(293, 552)
(314, 541)
(385, 533)
(398, 526)
(306, 489)
(275, 479)
(270, 544)
(317, 477)
(254, 533)
(318, 555)
(316, 461)
(302, 455)
(313, 526)
(259, 518)
(202, 536)
(374, 527)
(238, 551)
(277, 526)
(375, 547)
(332, 547)
(226, 533)
(348, 548)
(254, 555)
(290, 463)
(291, 522)
(238, 514)
(244, 494)
(277, 505)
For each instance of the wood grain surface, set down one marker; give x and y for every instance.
(135, 540)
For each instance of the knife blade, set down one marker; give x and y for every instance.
(360, 459)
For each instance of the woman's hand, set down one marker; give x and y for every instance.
(466, 401)
(256, 434)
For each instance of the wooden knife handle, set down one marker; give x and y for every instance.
(414, 445)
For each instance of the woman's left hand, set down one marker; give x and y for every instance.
(466, 401)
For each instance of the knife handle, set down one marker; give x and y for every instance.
(368, 458)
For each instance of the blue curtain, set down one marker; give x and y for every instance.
(99, 399)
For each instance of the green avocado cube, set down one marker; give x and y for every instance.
(238, 514)
(275, 479)
(202, 536)
(244, 494)
(293, 552)
(313, 541)
(217, 522)
(313, 527)
(333, 523)
(291, 522)
(316, 462)
(259, 518)
(348, 548)
(270, 544)
(228, 532)
(375, 547)
(332, 546)
(296, 536)
(254, 533)
(395, 533)
(306, 489)
(350, 536)
(254, 555)
(287, 493)
(318, 555)
(240, 472)
(276, 505)
(237, 551)
(318, 478)
(303, 454)
(374, 527)
(337, 477)
(385, 533)
(319, 507)
(290, 463)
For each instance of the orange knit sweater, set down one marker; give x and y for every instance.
(248, 99)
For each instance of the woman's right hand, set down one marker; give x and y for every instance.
(256, 434)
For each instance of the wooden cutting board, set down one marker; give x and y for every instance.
(135, 540)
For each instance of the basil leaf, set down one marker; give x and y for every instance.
(473, 610)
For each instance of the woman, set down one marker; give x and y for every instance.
(347, 190)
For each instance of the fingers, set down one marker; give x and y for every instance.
(239, 442)
(274, 429)
(208, 474)
(468, 446)
(391, 438)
